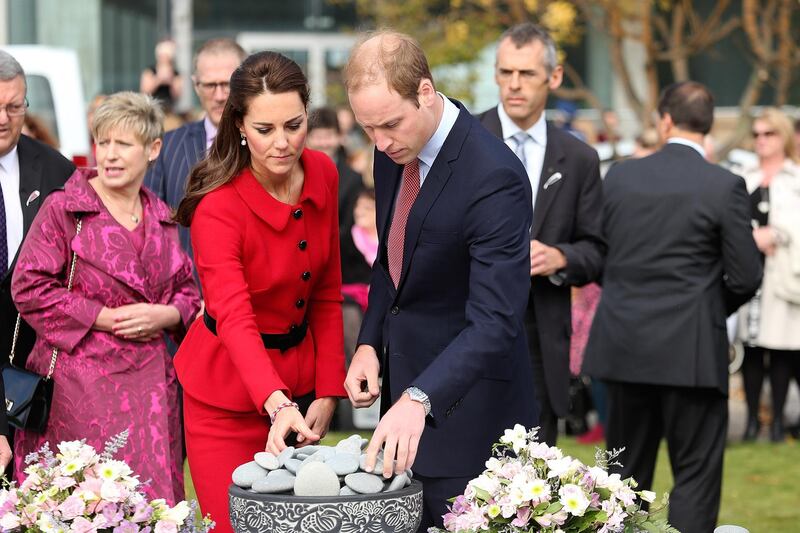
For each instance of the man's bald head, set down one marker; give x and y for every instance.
(391, 56)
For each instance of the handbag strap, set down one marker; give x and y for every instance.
(70, 280)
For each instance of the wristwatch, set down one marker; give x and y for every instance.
(417, 395)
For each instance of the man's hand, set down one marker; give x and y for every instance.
(546, 260)
(5, 453)
(318, 418)
(765, 240)
(398, 433)
(363, 372)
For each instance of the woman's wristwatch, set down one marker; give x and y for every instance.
(417, 395)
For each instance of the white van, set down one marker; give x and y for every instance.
(55, 94)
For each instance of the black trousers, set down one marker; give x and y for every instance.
(694, 422)
(548, 419)
(436, 491)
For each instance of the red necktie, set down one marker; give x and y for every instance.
(409, 190)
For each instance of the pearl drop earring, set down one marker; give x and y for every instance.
(244, 141)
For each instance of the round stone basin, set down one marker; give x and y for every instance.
(399, 511)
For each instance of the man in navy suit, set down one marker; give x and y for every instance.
(183, 147)
(449, 289)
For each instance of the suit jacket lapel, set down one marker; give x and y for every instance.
(30, 181)
(435, 181)
(387, 174)
(553, 158)
(198, 142)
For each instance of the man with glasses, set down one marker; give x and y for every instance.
(29, 171)
(214, 63)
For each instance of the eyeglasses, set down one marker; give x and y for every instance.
(15, 110)
(767, 133)
(211, 86)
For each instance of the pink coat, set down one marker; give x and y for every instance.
(104, 384)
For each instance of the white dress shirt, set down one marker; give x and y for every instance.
(434, 145)
(686, 142)
(9, 177)
(534, 149)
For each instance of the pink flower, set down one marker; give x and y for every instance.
(72, 507)
(81, 525)
(165, 526)
(63, 482)
(523, 515)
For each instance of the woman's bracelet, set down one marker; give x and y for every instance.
(278, 409)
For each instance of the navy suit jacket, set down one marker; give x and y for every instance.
(454, 326)
(183, 148)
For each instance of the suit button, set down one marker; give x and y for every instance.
(300, 303)
(394, 310)
(306, 275)
(302, 244)
(297, 213)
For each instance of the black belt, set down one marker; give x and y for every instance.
(277, 341)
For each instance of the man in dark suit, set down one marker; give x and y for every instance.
(566, 244)
(29, 171)
(183, 147)
(449, 289)
(680, 254)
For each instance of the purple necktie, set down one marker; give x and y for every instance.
(3, 236)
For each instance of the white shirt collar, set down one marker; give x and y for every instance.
(686, 142)
(434, 145)
(10, 161)
(538, 131)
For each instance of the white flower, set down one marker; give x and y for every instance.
(489, 484)
(46, 523)
(648, 496)
(559, 467)
(112, 492)
(573, 499)
(494, 465)
(536, 491)
(113, 470)
(178, 513)
(614, 482)
(72, 466)
(517, 437)
(9, 521)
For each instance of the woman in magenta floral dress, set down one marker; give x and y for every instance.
(133, 283)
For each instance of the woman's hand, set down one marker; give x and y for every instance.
(287, 420)
(318, 418)
(5, 453)
(144, 322)
(765, 239)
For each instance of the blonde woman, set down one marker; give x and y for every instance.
(770, 322)
(132, 284)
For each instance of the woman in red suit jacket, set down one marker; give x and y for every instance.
(262, 212)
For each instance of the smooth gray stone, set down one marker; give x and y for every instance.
(301, 456)
(364, 483)
(246, 474)
(292, 465)
(274, 484)
(326, 452)
(316, 479)
(410, 474)
(349, 445)
(311, 449)
(347, 491)
(398, 482)
(316, 458)
(364, 444)
(362, 463)
(280, 473)
(287, 453)
(267, 461)
(343, 464)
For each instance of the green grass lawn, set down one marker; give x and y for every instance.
(760, 488)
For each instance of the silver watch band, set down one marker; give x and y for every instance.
(416, 394)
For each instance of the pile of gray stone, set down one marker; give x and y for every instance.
(318, 471)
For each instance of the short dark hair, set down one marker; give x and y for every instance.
(219, 46)
(323, 118)
(526, 33)
(690, 104)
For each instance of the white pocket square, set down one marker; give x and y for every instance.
(32, 198)
(552, 179)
